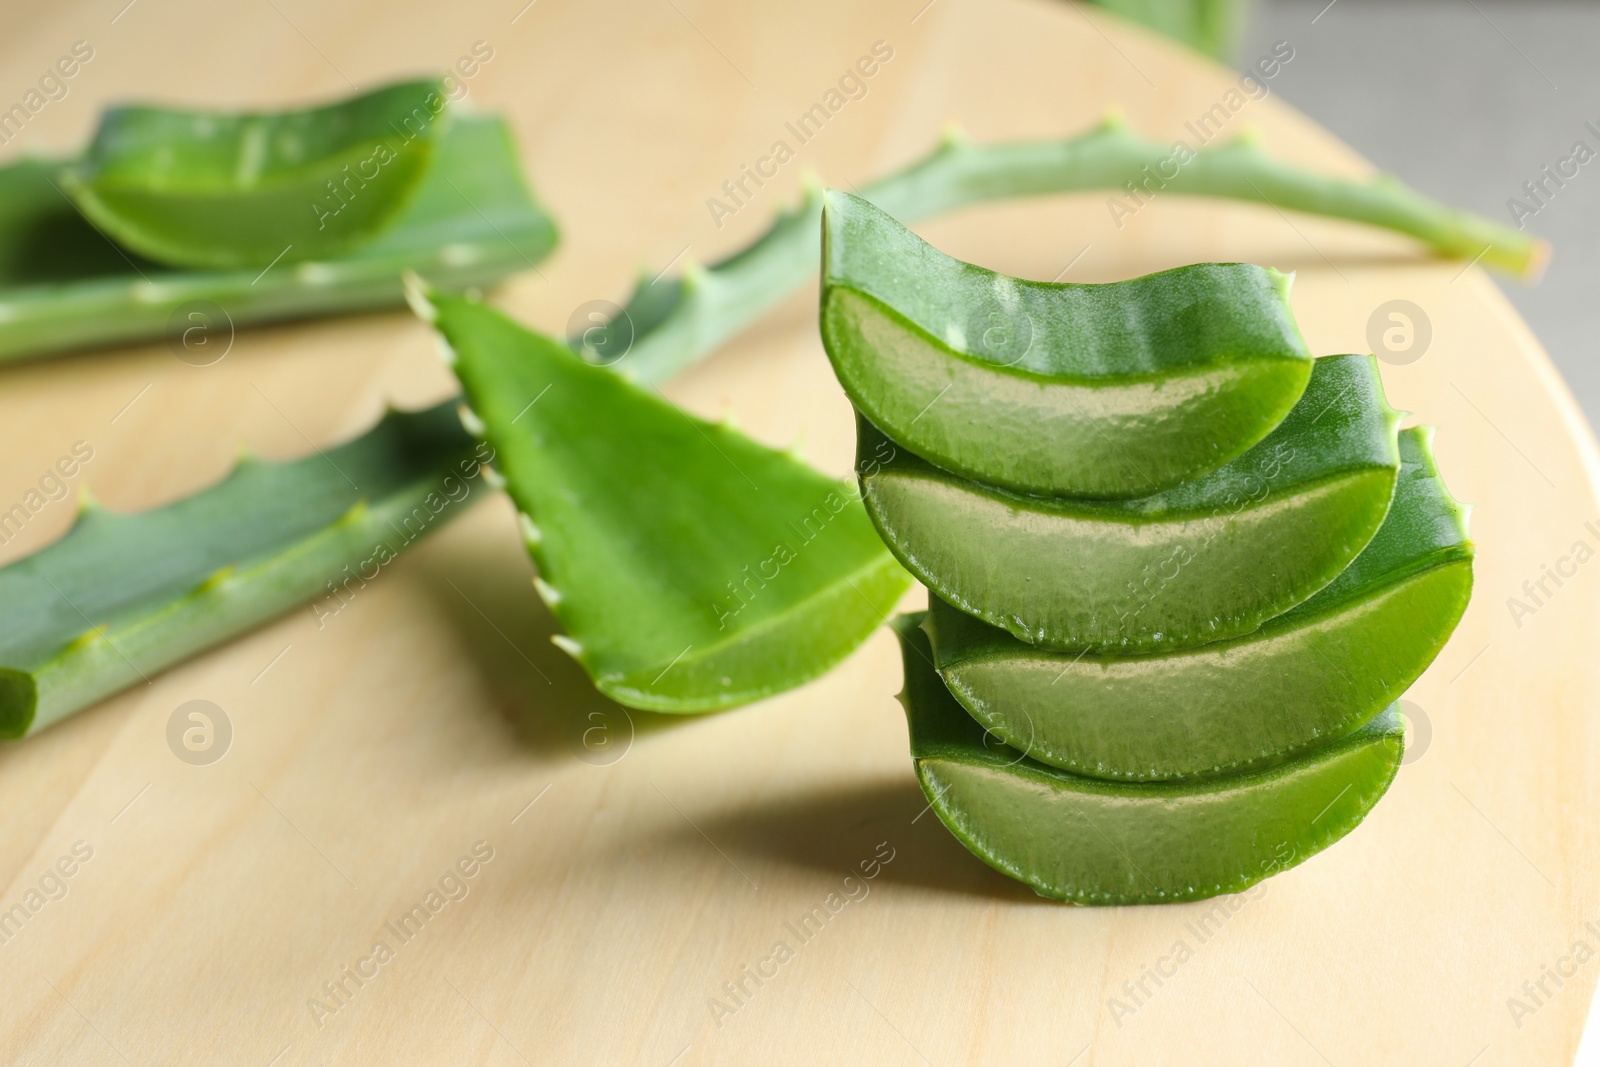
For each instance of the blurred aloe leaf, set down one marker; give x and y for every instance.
(1212, 27)
(242, 189)
(671, 321)
(692, 568)
(123, 596)
(64, 285)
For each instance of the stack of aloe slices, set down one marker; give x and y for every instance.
(263, 215)
(1179, 571)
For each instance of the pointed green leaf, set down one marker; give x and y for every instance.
(1116, 390)
(121, 597)
(1210, 559)
(241, 189)
(691, 568)
(64, 286)
(1096, 842)
(1304, 678)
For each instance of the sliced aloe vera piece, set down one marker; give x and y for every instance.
(240, 189)
(63, 285)
(1310, 675)
(1115, 390)
(691, 568)
(1210, 559)
(1097, 842)
(121, 597)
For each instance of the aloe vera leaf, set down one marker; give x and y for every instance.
(675, 320)
(1096, 842)
(1306, 677)
(1115, 390)
(1212, 27)
(123, 596)
(1211, 559)
(691, 568)
(239, 189)
(64, 286)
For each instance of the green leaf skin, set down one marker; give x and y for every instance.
(203, 189)
(691, 568)
(64, 286)
(1095, 842)
(1308, 676)
(121, 597)
(1117, 390)
(1211, 559)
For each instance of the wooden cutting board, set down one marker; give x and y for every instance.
(633, 876)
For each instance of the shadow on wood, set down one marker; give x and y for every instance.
(486, 594)
(832, 832)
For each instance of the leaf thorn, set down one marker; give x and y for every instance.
(417, 296)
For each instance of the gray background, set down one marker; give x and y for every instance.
(1464, 100)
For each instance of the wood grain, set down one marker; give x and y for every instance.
(621, 896)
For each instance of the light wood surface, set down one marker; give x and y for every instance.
(369, 756)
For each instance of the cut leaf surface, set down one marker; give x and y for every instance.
(123, 596)
(1310, 675)
(1211, 559)
(63, 285)
(221, 190)
(691, 568)
(1098, 842)
(1116, 390)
